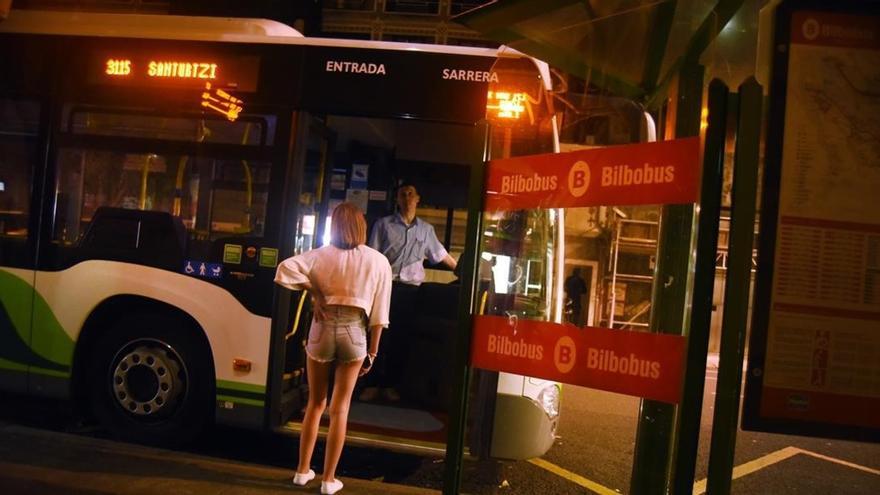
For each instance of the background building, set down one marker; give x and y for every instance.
(411, 21)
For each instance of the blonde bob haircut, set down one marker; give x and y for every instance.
(348, 229)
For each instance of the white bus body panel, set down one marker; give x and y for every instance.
(231, 330)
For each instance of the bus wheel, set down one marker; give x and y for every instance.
(150, 381)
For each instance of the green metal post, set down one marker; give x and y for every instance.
(690, 409)
(651, 458)
(736, 288)
(461, 371)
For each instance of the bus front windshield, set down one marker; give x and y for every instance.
(516, 264)
(520, 248)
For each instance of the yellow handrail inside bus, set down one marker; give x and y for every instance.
(299, 308)
(178, 186)
(203, 132)
(249, 196)
(145, 173)
(321, 172)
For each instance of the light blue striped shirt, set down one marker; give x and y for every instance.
(406, 246)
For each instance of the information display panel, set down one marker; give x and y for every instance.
(814, 354)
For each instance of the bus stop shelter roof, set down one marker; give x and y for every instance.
(629, 48)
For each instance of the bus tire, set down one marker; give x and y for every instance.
(150, 380)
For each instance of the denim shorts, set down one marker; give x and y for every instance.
(341, 336)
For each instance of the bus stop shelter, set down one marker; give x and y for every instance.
(656, 55)
(626, 48)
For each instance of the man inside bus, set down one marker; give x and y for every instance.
(407, 241)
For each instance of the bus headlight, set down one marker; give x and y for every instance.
(549, 400)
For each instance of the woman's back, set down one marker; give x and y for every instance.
(359, 277)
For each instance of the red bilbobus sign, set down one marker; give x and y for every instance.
(648, 365)
(665, 172)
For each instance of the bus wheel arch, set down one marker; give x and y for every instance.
(177, 371)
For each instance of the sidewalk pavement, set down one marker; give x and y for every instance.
(41, 462)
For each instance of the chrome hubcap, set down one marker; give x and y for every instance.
(149, 378)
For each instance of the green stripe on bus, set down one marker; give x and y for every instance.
(16, 296)
(240, 400)
(50, 348)
(55, 373)
(239, 393)
(12, 365)
(49, 338)
(241, 387)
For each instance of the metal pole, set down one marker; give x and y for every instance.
(461, 371)
(690, 410)
(651, 456)
(613, 295)
(736, 288)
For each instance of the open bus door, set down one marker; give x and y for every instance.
(362, 160)
(303, 215)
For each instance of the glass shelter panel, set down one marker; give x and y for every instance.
(519, 252)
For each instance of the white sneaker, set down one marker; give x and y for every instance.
(330, 487)
(302, 478)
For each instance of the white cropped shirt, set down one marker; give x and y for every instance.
(359, 277)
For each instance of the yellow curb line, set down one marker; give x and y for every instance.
(842, 462)
(573, 477)
(752, 466)
(778, 456)
(700, 486)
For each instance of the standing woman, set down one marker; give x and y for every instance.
(350, 284)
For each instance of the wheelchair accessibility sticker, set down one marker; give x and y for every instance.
(203, 269)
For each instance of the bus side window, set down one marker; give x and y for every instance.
(19, 121)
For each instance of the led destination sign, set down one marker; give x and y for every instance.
(239, 73)
(164, 68)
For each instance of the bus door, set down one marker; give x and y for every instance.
(304, 226)
(364, 164)
(19, 145)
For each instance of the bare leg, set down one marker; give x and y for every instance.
(346, 376)
(319, 377)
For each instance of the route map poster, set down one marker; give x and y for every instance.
(814, 357)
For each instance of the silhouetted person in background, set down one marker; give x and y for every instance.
(575, 287)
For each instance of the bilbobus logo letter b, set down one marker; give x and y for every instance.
(579, 179)
(565, 354)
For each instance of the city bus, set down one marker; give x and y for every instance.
(155, 169)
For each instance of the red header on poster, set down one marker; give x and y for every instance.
(835, 29)
(648, 365)
(665, 172)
